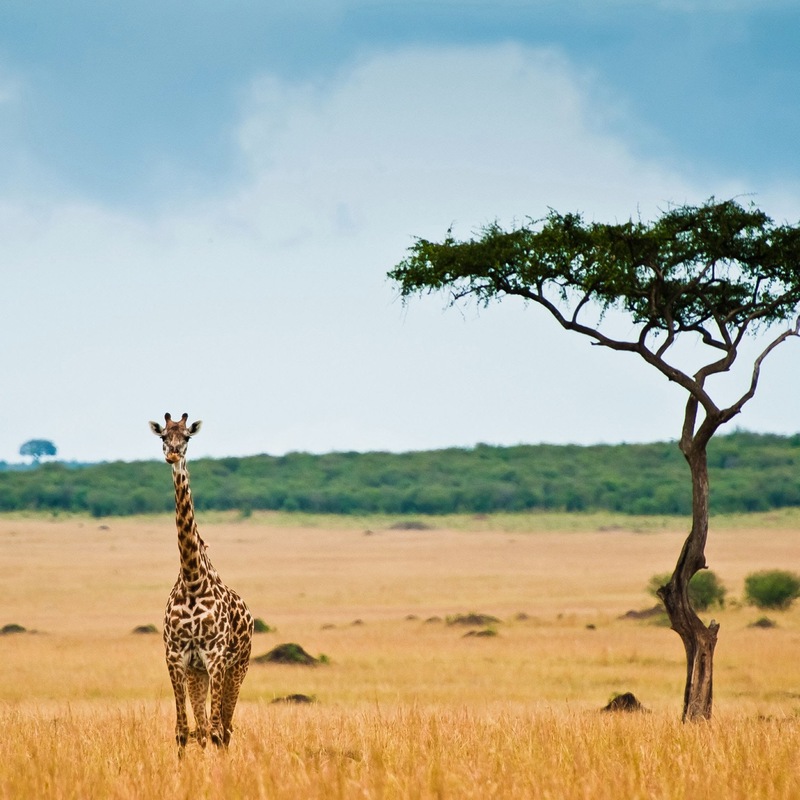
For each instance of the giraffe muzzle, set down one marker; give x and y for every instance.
(172, 458)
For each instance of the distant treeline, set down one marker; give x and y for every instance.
(749, 472)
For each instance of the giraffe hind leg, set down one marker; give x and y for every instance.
(230, 695)
(234, 677)
(217, 683)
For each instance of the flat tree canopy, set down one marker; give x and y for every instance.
(37, 448)
(713, 272)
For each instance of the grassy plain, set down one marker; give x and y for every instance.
(407, 707)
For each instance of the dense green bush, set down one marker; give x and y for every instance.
(748, 472)
(705, 589)
(772, 588)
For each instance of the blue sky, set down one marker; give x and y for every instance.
(198, 206)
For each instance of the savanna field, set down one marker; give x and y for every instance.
(406, 705)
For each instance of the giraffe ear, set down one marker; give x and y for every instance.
(194, 427)
(156, 428)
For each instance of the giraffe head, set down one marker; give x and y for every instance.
(175, 436)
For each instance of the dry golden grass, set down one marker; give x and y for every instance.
(400, 752)
(406, 708)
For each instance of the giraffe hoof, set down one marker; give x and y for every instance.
(198, 736)
(217, 739)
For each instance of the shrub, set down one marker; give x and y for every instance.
(410, 525)
(12, 627)
(772, 588)
(705, 589)
(763, 622)
(295, 698)
(472, 619)
(145, 629)
(289, 653)
(624, 702)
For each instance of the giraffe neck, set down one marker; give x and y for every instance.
(192, 549)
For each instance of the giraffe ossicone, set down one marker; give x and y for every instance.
(208, 628)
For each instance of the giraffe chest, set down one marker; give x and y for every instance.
(196, 625)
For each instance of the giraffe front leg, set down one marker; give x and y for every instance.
(178, 678)
(197, 681)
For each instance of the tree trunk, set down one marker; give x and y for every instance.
(699, 641)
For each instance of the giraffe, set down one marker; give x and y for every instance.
(207, 626)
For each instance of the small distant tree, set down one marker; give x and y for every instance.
(37, 449)
(709, 274)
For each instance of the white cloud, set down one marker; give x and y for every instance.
(422, 137)
(266, 311)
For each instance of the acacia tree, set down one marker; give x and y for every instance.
(712, 273)
(37, 448)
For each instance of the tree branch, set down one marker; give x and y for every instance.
(736, 408)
